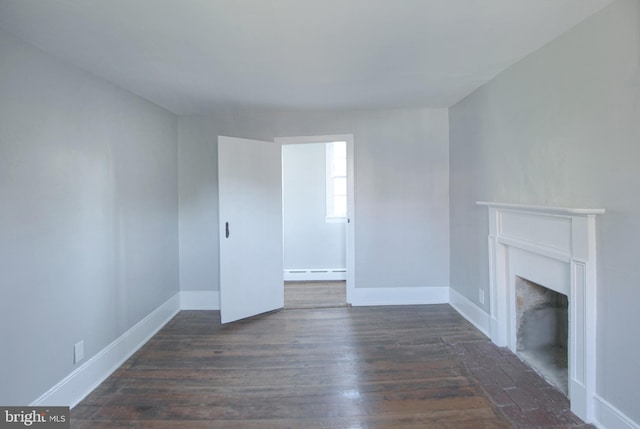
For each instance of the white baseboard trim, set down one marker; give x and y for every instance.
(398, 296)
(79, 383)
(199, 300)
(609, 417)
(315, 274)
(470, 311)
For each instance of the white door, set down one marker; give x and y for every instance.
(250, 209)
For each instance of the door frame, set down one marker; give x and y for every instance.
(350, 225)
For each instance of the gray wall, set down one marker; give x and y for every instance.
(401, 190)
(309, 241)
(88, 216)
(198, 189)
(562, 128)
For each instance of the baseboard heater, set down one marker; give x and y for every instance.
(315, 274)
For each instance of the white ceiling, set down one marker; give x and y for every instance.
(193, 56)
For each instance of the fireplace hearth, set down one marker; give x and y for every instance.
(542, 318)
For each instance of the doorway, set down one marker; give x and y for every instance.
(317, 181)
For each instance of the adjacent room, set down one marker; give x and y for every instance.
(314, 217)
(338, 213)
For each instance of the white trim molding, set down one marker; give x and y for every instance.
(199, 300)
(79, 383)
(470, 311)
(609, 417)
(315, 274)
(399, 296)
(556, 248)
(542, 209)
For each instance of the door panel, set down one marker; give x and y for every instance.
(250, 216)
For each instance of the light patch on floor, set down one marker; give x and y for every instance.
(315, 294)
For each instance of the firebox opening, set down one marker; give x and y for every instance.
(542, 317)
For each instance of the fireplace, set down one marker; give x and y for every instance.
(542, 331)
(554, 248)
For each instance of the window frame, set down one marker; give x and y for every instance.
(330, 214)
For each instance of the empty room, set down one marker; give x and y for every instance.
(450, 187)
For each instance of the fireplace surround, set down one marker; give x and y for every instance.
(556, 248)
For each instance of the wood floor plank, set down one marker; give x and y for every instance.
(375, 367)
(315, 294)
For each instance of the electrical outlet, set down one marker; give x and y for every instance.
(78, 352)
(481, 296)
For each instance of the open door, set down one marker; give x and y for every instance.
(250, 209)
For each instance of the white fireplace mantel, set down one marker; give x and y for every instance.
(554, 247)
(543, 209)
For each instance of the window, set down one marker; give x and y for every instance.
(336, 181)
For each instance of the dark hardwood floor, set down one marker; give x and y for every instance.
(366, 367)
